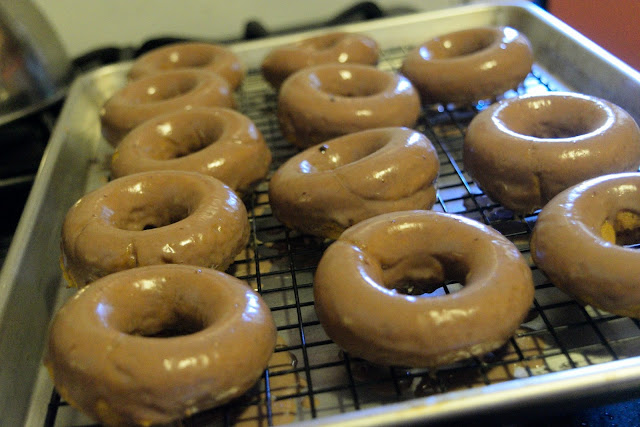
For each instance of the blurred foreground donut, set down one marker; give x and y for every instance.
(338, 47)
(204, 56)
(161, 93)
(368, 286)
(160, 217)
(155, 344)
(326, 101)
(331, 186)
(525, 150)
(579, 242)
(214, 141)
(467, 66)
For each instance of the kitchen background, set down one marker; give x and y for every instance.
(95, 24)
(84, 27)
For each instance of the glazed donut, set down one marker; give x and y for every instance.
(368, 284)
(338, 47)
(205, 56)
(155, 344)
(469, 65)
(525, 150)
(331, 186)
(578, 242)
(161, 93)
(160, 217)
(215, 141)
(326, 101)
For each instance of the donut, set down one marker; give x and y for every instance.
(369, 289)
(205, 56)
(160, 217)
(326, 101)
(467, 66)
(579, 242)
(215, 141)
(329, 187)
(335, 47)
(525, 150)
(161, 93)
(154, 344)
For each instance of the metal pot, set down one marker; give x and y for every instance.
(34, 68)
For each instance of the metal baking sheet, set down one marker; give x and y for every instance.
(565, 354)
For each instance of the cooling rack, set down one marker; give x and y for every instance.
(310, 378)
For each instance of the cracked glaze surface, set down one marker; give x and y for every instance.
(153, 218)
(333, 185)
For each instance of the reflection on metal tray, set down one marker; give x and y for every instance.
(563, 353)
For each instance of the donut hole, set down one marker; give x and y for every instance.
(138, 213)
(348, 83)
(165, 314)
(436, 288)
(179, 88)
(459, 44)
(175, 325)
(185, 140)
(149, 218)
(332, 156)
(161, 306)
(190, 59)
(553, 118)
(325, 42)
(160, 88)
(623, 230)
(425, 275)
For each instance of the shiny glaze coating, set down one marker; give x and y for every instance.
(361, 311)
(160, 217)
(214, 141)
(568, 245)
(523, 151)
(333, 185)
(204, 56)
(469, 65)
(161, 93)
(155, 344)
(335, 47)
(326, 101)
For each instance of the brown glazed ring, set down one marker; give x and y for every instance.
(469, 65)
(326, 101)
(155, 344)
(214, 141)
(335, 47)
(161, 217)
(161, 93)
(204, 56)
(331, 186)
(360, 306)
(579, 238)
(525, 150)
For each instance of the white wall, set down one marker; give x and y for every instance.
(83, 25)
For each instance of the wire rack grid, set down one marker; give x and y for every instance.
(310, 377)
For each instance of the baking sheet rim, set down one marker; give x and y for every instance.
(624, 374)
